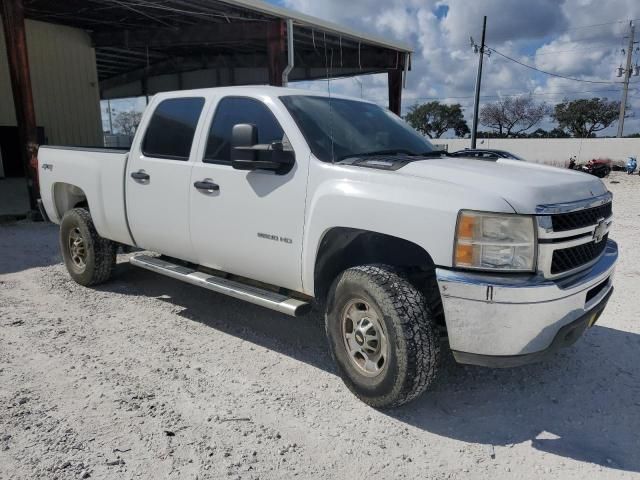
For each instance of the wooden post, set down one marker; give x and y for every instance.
(395, 90)
(16, 41)
(276, 51)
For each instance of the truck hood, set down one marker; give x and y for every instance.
(523, 185)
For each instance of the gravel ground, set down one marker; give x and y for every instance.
(146, 377)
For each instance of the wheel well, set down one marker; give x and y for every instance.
(342, 248)
(67, 196)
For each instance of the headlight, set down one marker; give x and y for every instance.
(494, 241)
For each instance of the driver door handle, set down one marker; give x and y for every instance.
(206, 185)
(140, 175)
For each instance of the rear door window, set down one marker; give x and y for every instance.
(172, 128)
(232, 111)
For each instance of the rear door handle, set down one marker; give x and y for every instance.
(140, 175)
(207, 186)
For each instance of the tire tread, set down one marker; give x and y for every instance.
(104, 249)
(417, 327)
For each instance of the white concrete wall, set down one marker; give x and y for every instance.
(555, 151)
(64, 81)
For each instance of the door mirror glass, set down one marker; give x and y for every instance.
(244, 136)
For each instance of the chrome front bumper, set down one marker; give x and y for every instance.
(519, 318)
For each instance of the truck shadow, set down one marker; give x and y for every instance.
(25, 245)
(583, 403)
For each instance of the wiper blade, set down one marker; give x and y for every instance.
(409, 153)
(377, 153)
(434, 153)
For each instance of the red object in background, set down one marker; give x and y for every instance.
(600, 161)
(600, 167)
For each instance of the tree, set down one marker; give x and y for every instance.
(127, 122)
(433, 119)
(490, 134)
(513, 115)
(558, 133)
(583, 117)
(554, 133)
(538, 133)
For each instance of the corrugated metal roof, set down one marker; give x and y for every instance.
(147, 39)
(310, 21)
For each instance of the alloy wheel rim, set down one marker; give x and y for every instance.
(364, 338)
(77, 249)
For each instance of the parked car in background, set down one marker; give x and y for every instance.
(485, 153)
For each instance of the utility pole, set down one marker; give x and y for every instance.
(110, 121)
(627, 75)
(476, 105)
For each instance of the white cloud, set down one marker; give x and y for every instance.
(552, 35)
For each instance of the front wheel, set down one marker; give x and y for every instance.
(89, 258)
(382, 336)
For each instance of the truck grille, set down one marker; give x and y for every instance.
(568, 259)
(580, 219)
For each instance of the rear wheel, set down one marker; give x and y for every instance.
(382, 336)
(89, 258)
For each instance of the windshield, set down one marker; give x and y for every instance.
(357, 128)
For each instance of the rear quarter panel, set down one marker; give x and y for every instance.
(99, 174)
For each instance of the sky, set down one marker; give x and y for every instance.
(582, 39)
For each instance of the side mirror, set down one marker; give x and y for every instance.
(243, 137)
(247, 154)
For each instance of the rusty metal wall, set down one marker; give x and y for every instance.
(65, 84)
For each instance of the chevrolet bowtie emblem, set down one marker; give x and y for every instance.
(600, 231)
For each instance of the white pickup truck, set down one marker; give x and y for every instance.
(288, 198)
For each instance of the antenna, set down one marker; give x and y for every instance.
(359, 82)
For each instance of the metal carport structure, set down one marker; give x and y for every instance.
(146, 46)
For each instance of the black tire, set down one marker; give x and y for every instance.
(99, 253)
(409, 327)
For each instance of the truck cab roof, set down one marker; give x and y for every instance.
(255, 91)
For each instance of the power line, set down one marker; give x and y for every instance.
(601, 24)
(517, 94)
(586, 38)
(550, 73)
(595, 39)
(555, 52)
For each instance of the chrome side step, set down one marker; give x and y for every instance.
(249, 293)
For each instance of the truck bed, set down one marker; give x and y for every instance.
(71, 176)
(86, 148)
